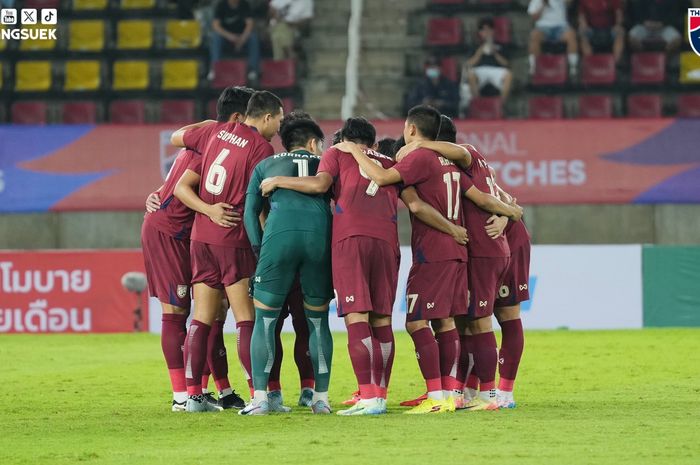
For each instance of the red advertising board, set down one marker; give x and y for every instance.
(69, 292)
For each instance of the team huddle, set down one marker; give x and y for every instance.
(273, 235)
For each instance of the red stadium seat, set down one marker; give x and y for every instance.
(211, 109)
(550, 70)
(485, 108)
(644, 106)
(546, 108)
(648, 68)
(79, 113)
(595, 106)
(29, 113)
(38, 4)
(689, 106)
(444, 32)
(280, 74)
(177, 111)
(288, 104)
(598, 70)
(229, 73)
(450, 68)
(127, 112)
(502, 30)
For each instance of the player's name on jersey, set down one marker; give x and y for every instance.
(376, 154)
(295, 155)
(232, 139)
(445, 162)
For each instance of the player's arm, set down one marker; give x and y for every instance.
(456, 153)
(253, 212)
(491, 204)
(178, 137)
(496, 224)
(313, 185)
(219, 213)
(431, 216)
(377, 173)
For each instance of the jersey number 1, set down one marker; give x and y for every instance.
(216, 177)
(302, 167)
(449, 179)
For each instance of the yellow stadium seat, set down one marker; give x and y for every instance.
(130, 75)
(182, 34)
(82, 75)
(690, 68)
(89, 4)
(180, 74)
(36, 43)
(86, 35)
(138, 4)
(32, 76)
(3, 42)
(134, 34)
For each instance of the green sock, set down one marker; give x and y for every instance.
(320, 347)
(262, 346)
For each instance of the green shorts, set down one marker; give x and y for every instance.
(286, 254)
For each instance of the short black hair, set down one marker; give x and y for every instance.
(359, 130)
(398, 145)
(337, 137)
(262, 103)
(487, 21)
(426, 119)
(386, 147)
(298, 132)
(448, 131)
(294, 116)
(233, 99)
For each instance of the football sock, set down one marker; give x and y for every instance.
(245, 332)
(385, 337)
(361, 350)
(273, 380)
(216, 356)
(262, 346)
(196, 355)
(301, 352)
(320, 348)
(463, 365)
(485, 359)
(448, 347)
(172, 338)
(428, 356)
(320, 396)
(512, 343)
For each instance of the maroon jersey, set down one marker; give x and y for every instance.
(362, 208)
(440, 184)
(174, 218)
(517, 234)
(480, 244)
(230, 152)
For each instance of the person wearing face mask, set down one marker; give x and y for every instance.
(435, 90)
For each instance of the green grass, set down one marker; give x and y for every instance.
(614, 397)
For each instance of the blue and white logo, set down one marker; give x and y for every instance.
(694, 29)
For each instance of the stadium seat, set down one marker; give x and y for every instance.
(211, 109)
(689, 106)
(450, 68)
(180, 75)
(39, 4)
(690, 68)
(595, 106)
(648, 68)
(130, 75)
(644, 106)
(29, 113)
(86, 35)
(3, 42)
(182, 34)
(485, 108)
(502, 30)
(79, 113)
(177, 111)
(288, 104)
(278, 74)
(32, 76)
(598, 70)
(127, 112)
(444, 32)
(82, 75)
(550, 70)
(133, 34)
(137, 4)
(90, 4)
(37, 44)
(546, 108)
(229, 73)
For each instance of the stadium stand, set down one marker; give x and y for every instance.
(86, 35)
(595, 106)
(644, 106)
(127, 112)
(598, 70)
(79, 113)
(130, 75)
(485, 108)
(177, 111)
(546, 107)
(29, 112)
(689, 106)
(33, 76)
(82, 75)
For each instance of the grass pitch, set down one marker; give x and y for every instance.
(613, 397)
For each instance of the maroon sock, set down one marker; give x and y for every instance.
(216, 356)
(485, 359)
(512, 343)
(463, 366)
(385, 338)
(196, 355)
(448, 346)
(273, 382)
(172, 339)
(428, 358)
(301, 351)
(245, 332)
(361, 350)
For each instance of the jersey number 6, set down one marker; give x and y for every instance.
(216, 177)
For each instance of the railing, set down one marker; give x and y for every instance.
(352, 64)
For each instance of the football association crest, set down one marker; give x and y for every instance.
(181, 291)
(694, 29)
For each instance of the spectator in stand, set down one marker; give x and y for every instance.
(601, 19)
(436, 90)
(287, 17)
(487, 65)
(233, 22)
(655, 24)
(551, 25)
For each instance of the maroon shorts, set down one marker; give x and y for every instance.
(168, 268)
(218, 266)
(365, 275)
(515, 287)
(436, 291)
(485, 277)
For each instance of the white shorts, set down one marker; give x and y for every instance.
(493, 75)
(667, 33)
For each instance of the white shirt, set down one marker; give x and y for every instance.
(293, 11)
(553, 15)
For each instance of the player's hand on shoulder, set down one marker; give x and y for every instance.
(267, 186)
(222, 214)
(518, 212)
(495, 226)
(460, 235)
(345, 146)
(407, 149)
(152, 202)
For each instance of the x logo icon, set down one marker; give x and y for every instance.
(29, 16)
